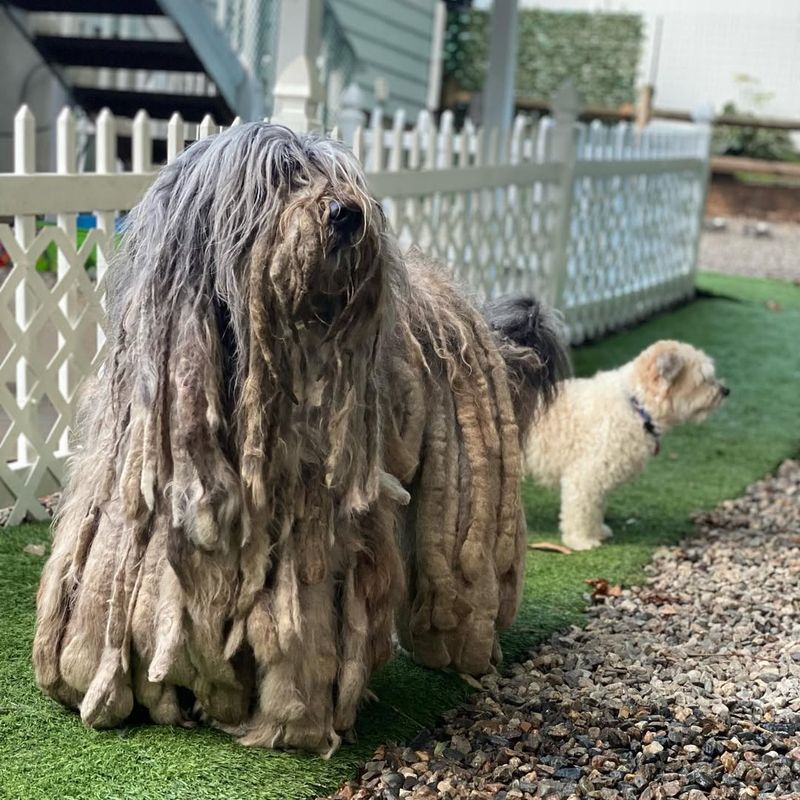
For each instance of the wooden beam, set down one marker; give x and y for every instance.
(644, 106)
(729, 165)
(463, 97)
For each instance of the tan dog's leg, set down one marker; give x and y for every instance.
(582, 505)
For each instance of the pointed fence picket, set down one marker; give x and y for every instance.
(601, 221)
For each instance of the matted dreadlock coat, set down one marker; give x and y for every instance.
(278, 385)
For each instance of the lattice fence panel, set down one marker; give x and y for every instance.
(631, 248)
(497, 241)
(51, 338)
(53, 323)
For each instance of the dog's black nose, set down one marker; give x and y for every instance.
(725, 391)
(344, 220)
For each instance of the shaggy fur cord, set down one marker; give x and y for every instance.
(453, 435)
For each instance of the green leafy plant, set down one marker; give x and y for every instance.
(751, 141)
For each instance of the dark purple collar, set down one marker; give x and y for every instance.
(647, 422)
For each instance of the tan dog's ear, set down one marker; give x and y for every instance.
(669, 365)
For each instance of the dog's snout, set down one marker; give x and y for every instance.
(344, 219)
(725, 390)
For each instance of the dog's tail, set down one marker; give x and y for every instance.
(532, 340)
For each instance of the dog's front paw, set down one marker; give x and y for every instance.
(581, 542)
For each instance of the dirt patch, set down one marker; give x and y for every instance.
(730, 197)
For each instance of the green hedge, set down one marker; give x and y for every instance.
(598, 51)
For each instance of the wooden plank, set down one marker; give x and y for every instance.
(463, 97)
(771, 123)
(728, 165)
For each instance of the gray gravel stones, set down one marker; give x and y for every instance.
(686, 687)
(736, 250)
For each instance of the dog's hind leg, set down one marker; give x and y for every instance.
(582, 505)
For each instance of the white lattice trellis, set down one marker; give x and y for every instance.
(635, 214)
(599, 220)
(487, 212)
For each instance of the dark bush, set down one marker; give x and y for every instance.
(751, 141)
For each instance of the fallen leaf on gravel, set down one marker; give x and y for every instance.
(550, 546)
(601, 589)
(468, 679)
(728, 761)
(34, 549)
(657, 598)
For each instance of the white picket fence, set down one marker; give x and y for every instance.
(601, 221)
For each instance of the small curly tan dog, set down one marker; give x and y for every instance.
(601, 431)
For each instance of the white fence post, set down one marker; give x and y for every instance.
(703, 118)
(105, 164)
(176, 137)
(350, 115)
(566, 106)
(142, 144)
(377, 155)
(208, 127)
(298, 92)
(25, 229)
(66, 164)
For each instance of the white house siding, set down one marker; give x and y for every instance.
(392, 43)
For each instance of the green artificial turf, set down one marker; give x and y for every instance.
(778, 294)
(46, 753)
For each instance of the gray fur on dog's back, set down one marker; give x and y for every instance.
(525, 326)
